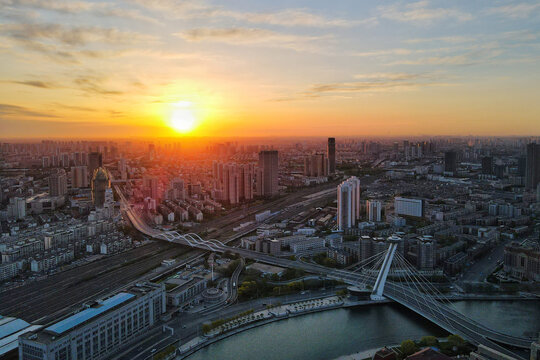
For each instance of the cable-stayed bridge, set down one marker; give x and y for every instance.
(387, 273)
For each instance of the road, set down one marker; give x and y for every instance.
(483, 266)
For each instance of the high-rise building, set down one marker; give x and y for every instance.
(248, 178)
(95, 160)
(348, 198)
(58, 183)
(409, 207)
(487, 165)
(374, 210)
(151, 151)
(267, 179)
(79, 177)
(16, 208)
(45, 162)
(316, 165)
(331, 153)
(100, 183)
(151, 187)
(426, 252)
(450, 162)
(177, 185)
(532, 171)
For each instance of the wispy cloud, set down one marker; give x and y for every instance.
(8, 110)
(77, 8)
(33, 83)
(94, 85)
(421, 12)
(370, 83)
(515, 11)
(242, 36)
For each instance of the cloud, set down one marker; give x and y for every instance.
(239, 35)
(7, 110)
(77, 8)
(420, 12)
(370, 83)
(287, 17)
(33, 83)
(73, 36)
(514, 11)
(94, 85)
(293, 17)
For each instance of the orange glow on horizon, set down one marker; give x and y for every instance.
(182, 118)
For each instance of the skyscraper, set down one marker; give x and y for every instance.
(177, 185)
(267, 180)
(316, 165)
(532, 168)
(58, 183)
(100, 183)
(487, 165)
(151, 187)
(450, 162)
(374, 210)
(348, 197)
(95, 160)
(331, 153)
(79, 177)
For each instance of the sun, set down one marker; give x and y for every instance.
(182, 118)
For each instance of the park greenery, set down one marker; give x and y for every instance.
(453, 345)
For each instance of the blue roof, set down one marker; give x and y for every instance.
(87, 314)
(11, 325)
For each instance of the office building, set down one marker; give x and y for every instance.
(487, 165)
(16, 208)
(100, 183)
(409, 207)
(450, 162)
(426, 252)
(267, 179)
(348, 197)
(177, 186)
(374, 210)
(100, 329)
(331, 153)
(151, 187)
(532, 167)
(58, 183)
(316, 165)
(95, 160)
(79, 177)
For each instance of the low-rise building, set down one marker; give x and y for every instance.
(99, 329)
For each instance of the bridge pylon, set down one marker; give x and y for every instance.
(378, 288)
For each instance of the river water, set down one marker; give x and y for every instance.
(333, 333)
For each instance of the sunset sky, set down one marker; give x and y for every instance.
(260, 68)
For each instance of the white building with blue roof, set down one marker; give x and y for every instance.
(99, 329)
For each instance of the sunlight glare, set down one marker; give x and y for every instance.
(182, 117)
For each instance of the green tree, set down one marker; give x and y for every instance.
(429, 341)
(408, 347)
(456, 340)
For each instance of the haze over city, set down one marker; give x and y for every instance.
(240, 68)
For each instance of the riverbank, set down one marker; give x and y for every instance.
(265, 317)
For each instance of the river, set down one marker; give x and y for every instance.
(333, 333)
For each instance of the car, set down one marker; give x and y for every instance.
(152, 351)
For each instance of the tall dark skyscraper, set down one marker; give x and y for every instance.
(331, 155)
(95, 160)
(450, 161)
(487, 165)
(267, 179)
(100, 183)
(532, 168)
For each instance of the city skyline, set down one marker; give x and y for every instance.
(203, 69)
